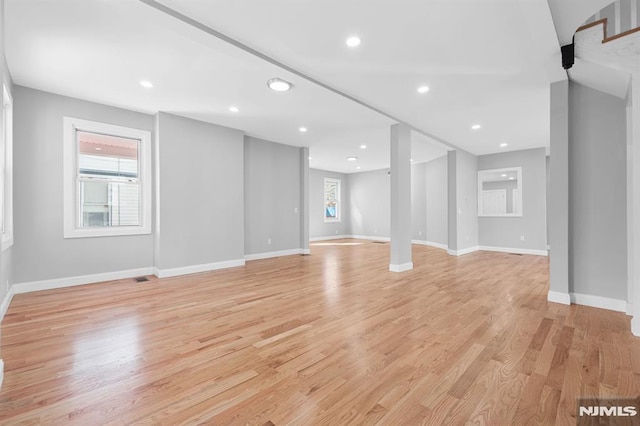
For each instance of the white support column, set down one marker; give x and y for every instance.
(400, 198)
(304, 200)
(634, 200)
(559, 196)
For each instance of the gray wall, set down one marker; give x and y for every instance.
(201, 193)
(317, 226)
(462, 171)
(369, 200)
(419, 201)
(272, 196)
(40, 251)
(597, 193)
(507, 231)
(436, 204)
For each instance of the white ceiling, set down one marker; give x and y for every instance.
(481, 60)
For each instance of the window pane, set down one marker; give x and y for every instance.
(331, 199)
(108, 156)
(109, 204)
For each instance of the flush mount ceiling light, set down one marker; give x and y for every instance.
(352, 158)
(279, 85)
(302, 129)
(234, 109)
(147, 84)
(502, 145)
(423, 89)
(476, 126)
(363, 147)
(353, 41)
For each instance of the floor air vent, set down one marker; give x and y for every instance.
(141, 279)
(380, 242)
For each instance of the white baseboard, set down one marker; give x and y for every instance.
(599, 302)
(401, 268)
(430, 244)
(195, 269)
(6, 302)
(268, 255)
(1, 372)
(79, 280)
(370, 237)
(515, 250)
(305, 251)
(330, 237)
(557, 297)
(629, 308)
(463, 251)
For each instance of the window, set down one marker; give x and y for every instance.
(332, 200)
(6, 175)
(107, 180)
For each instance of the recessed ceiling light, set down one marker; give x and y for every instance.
(234, 109)
(511, 178)
(423, 89)
(147, 84)
(302, 129)
(410, 159)
(352, 158)
(353, 41)
(502, 145)
(358, 168)
(309, 158)
(363, 147)
(503, 175)
(279, 85)
(476, 126)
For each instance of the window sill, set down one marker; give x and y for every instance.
(92, 233)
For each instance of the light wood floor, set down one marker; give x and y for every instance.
(328, 339)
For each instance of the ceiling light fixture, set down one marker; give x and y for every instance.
(147, 84)
(503, 175)
(352, 158)
(502, 145)
(279, 85)
(358, 168)
(476, 127)
(309, 158)
(423, 89)
(353, 41)
(302, 129)
(363, 147)
(234, 109)
(511, 178)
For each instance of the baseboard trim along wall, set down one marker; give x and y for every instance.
(430, 244)
(515, 250)
(195, 269)
(270, 254)
(462, 252)
(369, 237)
(599, 302)
(629, 308)
(330, 237)
(1, 372)
(557, 297)
(28, 287)
(6, 302)
(401, 268)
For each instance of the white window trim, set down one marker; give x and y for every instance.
(338, 217)
(7, 160)
(71, 208)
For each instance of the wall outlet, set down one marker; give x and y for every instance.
(419, 232)
(521, 237)
(295, 210)
(336, 232)
(269, 241)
